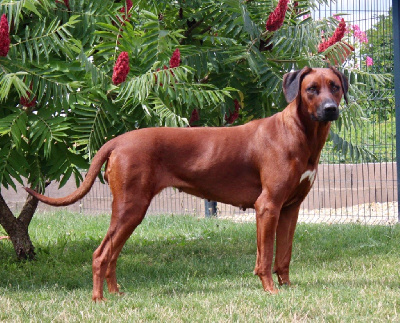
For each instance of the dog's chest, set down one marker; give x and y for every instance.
(309, 176)
(303, 186)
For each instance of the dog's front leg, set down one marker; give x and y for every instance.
(284, 241)
(267, 216)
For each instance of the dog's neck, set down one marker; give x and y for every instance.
(315, 132)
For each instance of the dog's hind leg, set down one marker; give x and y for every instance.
(126, 216)
(284, 241)
(134, 218)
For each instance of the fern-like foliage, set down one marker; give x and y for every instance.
(61, 60)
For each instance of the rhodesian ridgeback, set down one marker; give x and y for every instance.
(268, 164)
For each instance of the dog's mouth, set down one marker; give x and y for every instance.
(325, 117)
(327, 112)
(330, 116)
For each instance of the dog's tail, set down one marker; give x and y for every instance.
(98, 160)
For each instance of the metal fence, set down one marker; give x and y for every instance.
(341, 194)
(369, 188)
(364, 190)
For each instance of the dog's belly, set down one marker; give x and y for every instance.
(238, 191)
(241, 200)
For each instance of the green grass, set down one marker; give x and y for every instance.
(185, 269)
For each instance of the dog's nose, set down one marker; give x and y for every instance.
(328, 111)
(330, 107)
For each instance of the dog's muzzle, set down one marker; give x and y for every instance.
(328, 111)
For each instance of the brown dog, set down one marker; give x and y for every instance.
(268, 164)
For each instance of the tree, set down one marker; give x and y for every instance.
(61, 101)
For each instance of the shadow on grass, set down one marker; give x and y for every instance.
(143, 263)
(178, 261)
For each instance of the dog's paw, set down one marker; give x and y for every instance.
(99, 299)
(283, 279)
(272, 291)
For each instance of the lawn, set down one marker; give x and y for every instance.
(186, 269)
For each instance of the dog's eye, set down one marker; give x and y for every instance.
(312, 89)
(334, 87)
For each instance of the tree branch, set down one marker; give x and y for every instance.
(6, 216)
(193, 27)
(28, 210)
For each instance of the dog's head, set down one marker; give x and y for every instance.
(318, 89)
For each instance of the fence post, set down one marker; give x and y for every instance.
(396, 47)
(211, 208)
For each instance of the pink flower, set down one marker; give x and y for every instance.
(369, 61)
(359, 34)
(337, 17)
(175, 60)
(337, 36)
(276, 18)
(233, 115)
(195, 116)
(121, 68)
(4, 36)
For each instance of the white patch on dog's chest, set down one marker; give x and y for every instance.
(309, 175)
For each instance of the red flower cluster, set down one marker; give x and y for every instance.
(27, 102)
(175, 60)
(233, 116)
(66, 2)
(4, 36)
(194, 118)
(155, 75)
(337, 36)
(121, 68)
(128, 7)
(276, 18)
(296, 7)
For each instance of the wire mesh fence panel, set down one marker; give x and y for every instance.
(361, 189)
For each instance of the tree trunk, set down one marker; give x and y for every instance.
(17, 228)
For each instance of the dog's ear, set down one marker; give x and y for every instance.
(344, 81)
(291, 83)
